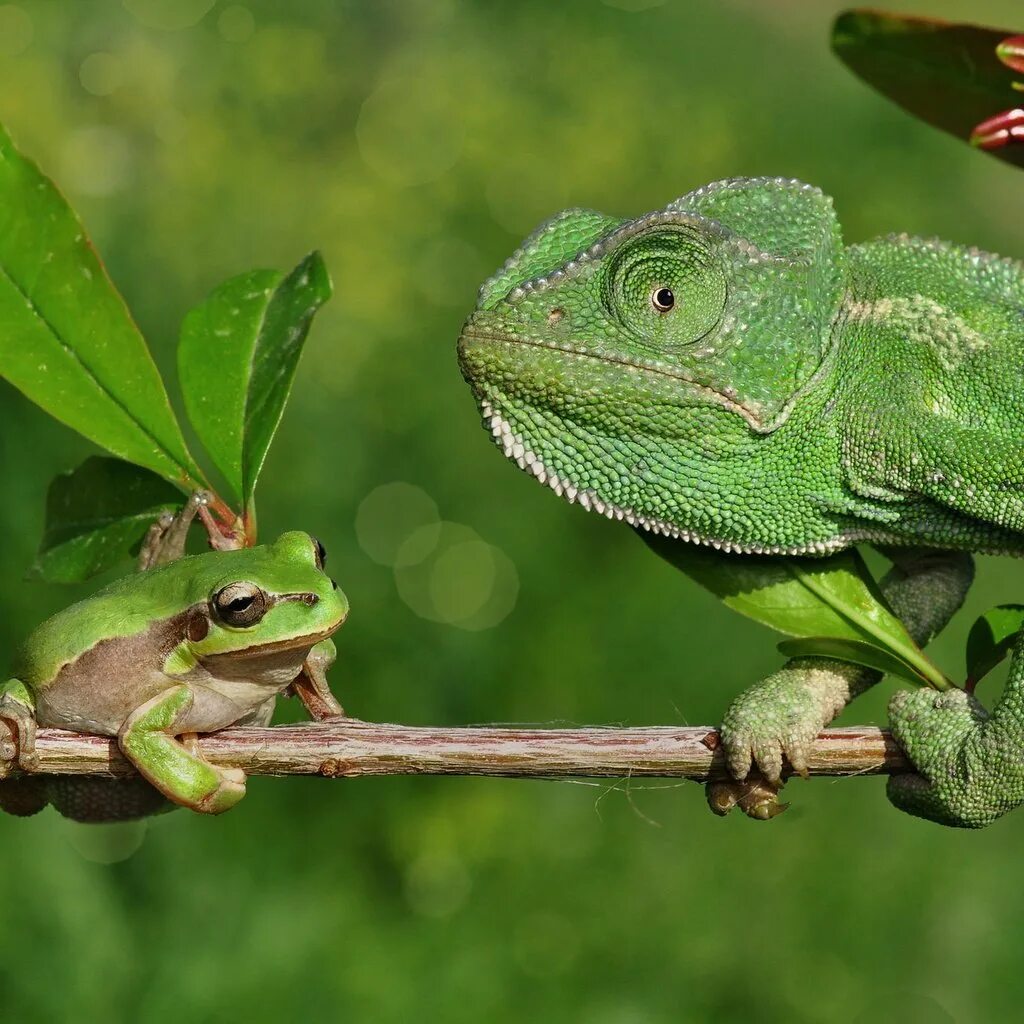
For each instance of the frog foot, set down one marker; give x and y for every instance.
(230, 789)
(967, 768)
(20, 745)
(755, 796)
(778, 719)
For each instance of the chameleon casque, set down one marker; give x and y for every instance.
(726, 372)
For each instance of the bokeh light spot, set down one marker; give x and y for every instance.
(15, 30)
(96, 161)
(407, 133)
(390, 516)
(236, 23)
(101, 73)
(168, 15)
(464, 581)
(106, 844)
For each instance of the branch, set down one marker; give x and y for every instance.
(350, 747)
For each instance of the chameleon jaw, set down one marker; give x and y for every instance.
(514, 448)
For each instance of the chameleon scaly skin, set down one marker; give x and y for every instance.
(727, 372)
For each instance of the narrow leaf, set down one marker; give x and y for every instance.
(991, 639)
(946, 74)
(96, 515)
(237, 359)
(215, 358)
(66, 338)
(833, 597)
(856, 651)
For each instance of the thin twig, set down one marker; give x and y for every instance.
(350, 747)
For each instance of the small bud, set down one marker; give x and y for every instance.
(1002, 130)
(1011, 52)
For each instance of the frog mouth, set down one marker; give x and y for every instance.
(291, 644)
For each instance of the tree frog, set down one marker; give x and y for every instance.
(189, 646)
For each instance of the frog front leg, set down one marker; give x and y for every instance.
(148, 739)
(311, 686)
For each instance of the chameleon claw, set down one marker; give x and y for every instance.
(756, 797)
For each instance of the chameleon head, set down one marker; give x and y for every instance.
(262, 604)
(645, 368)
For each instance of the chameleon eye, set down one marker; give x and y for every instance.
(667, 270)
(240, 604)
(662, 299)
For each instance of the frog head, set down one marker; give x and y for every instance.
(262, 607)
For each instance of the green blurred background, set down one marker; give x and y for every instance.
(416, 143)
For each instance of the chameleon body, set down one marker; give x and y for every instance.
(726, 372)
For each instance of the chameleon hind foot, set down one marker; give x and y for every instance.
(968, 766)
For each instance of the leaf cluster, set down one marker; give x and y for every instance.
(68, 342)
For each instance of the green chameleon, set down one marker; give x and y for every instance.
(726, 372)
(190, 645)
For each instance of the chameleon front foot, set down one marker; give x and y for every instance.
(776, 720)
(968, 765)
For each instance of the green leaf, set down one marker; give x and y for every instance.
(991, 638)
(237, 358)
(857, 651)
(946, 74)
(834, 597)
(66, 338)
(96, 515)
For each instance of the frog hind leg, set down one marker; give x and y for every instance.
(18, 711)
(184, 776)
(311, 685)
(25, 795)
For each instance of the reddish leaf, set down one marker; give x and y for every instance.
(949, 75)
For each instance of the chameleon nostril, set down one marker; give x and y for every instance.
(555, 315)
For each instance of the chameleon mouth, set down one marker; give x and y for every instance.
(473, 336)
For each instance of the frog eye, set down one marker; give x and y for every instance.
(321, 554)
(240, 604)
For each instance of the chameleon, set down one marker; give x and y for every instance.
(191, 645)
(726, 372)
